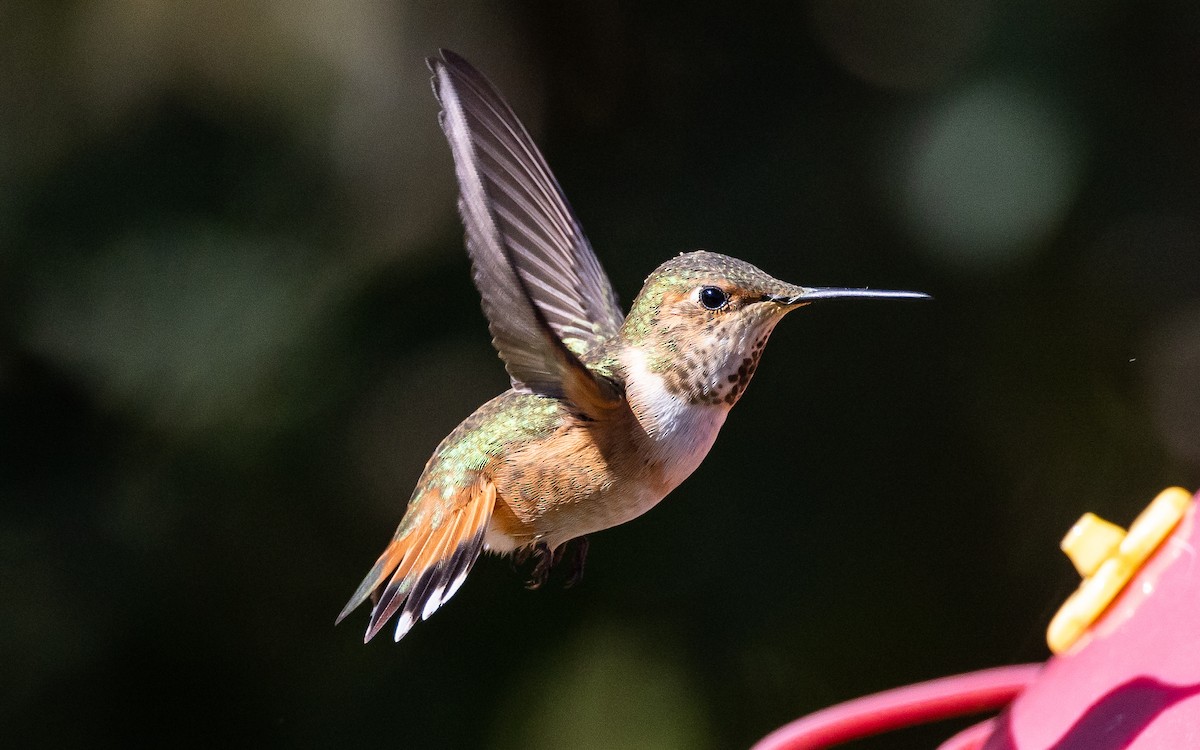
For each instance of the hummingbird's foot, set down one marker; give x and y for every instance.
(544, 560)
(579, 550)
(519, 557)
(570, 555)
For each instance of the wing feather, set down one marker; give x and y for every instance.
(540, 282)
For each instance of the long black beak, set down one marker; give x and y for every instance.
(812, 294)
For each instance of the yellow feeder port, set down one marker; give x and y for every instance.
(1107, 557)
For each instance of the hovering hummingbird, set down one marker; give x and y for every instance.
(607, 413)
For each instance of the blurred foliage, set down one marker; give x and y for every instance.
(236, 316)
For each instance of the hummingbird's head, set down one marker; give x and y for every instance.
(702, 320)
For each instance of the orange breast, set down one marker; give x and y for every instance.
(583, 477)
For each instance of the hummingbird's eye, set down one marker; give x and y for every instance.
(713, 298)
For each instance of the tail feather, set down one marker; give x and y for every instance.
(392, 592)
(426, 569)
(424, 566)
(460, 564)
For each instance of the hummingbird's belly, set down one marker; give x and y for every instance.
(565, 517)
(589, 476)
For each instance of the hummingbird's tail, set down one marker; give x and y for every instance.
(427, 560)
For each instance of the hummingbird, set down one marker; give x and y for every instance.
(607, 413)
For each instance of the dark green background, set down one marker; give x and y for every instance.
(236, 317)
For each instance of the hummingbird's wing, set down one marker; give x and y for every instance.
(546, 297)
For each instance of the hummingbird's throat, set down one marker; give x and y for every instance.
(717, 368)
(710, 370)
(676, 432)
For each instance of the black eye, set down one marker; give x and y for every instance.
(713, 297)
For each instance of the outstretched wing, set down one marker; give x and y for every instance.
(545, 295)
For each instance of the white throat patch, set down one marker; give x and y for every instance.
(680, 433)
